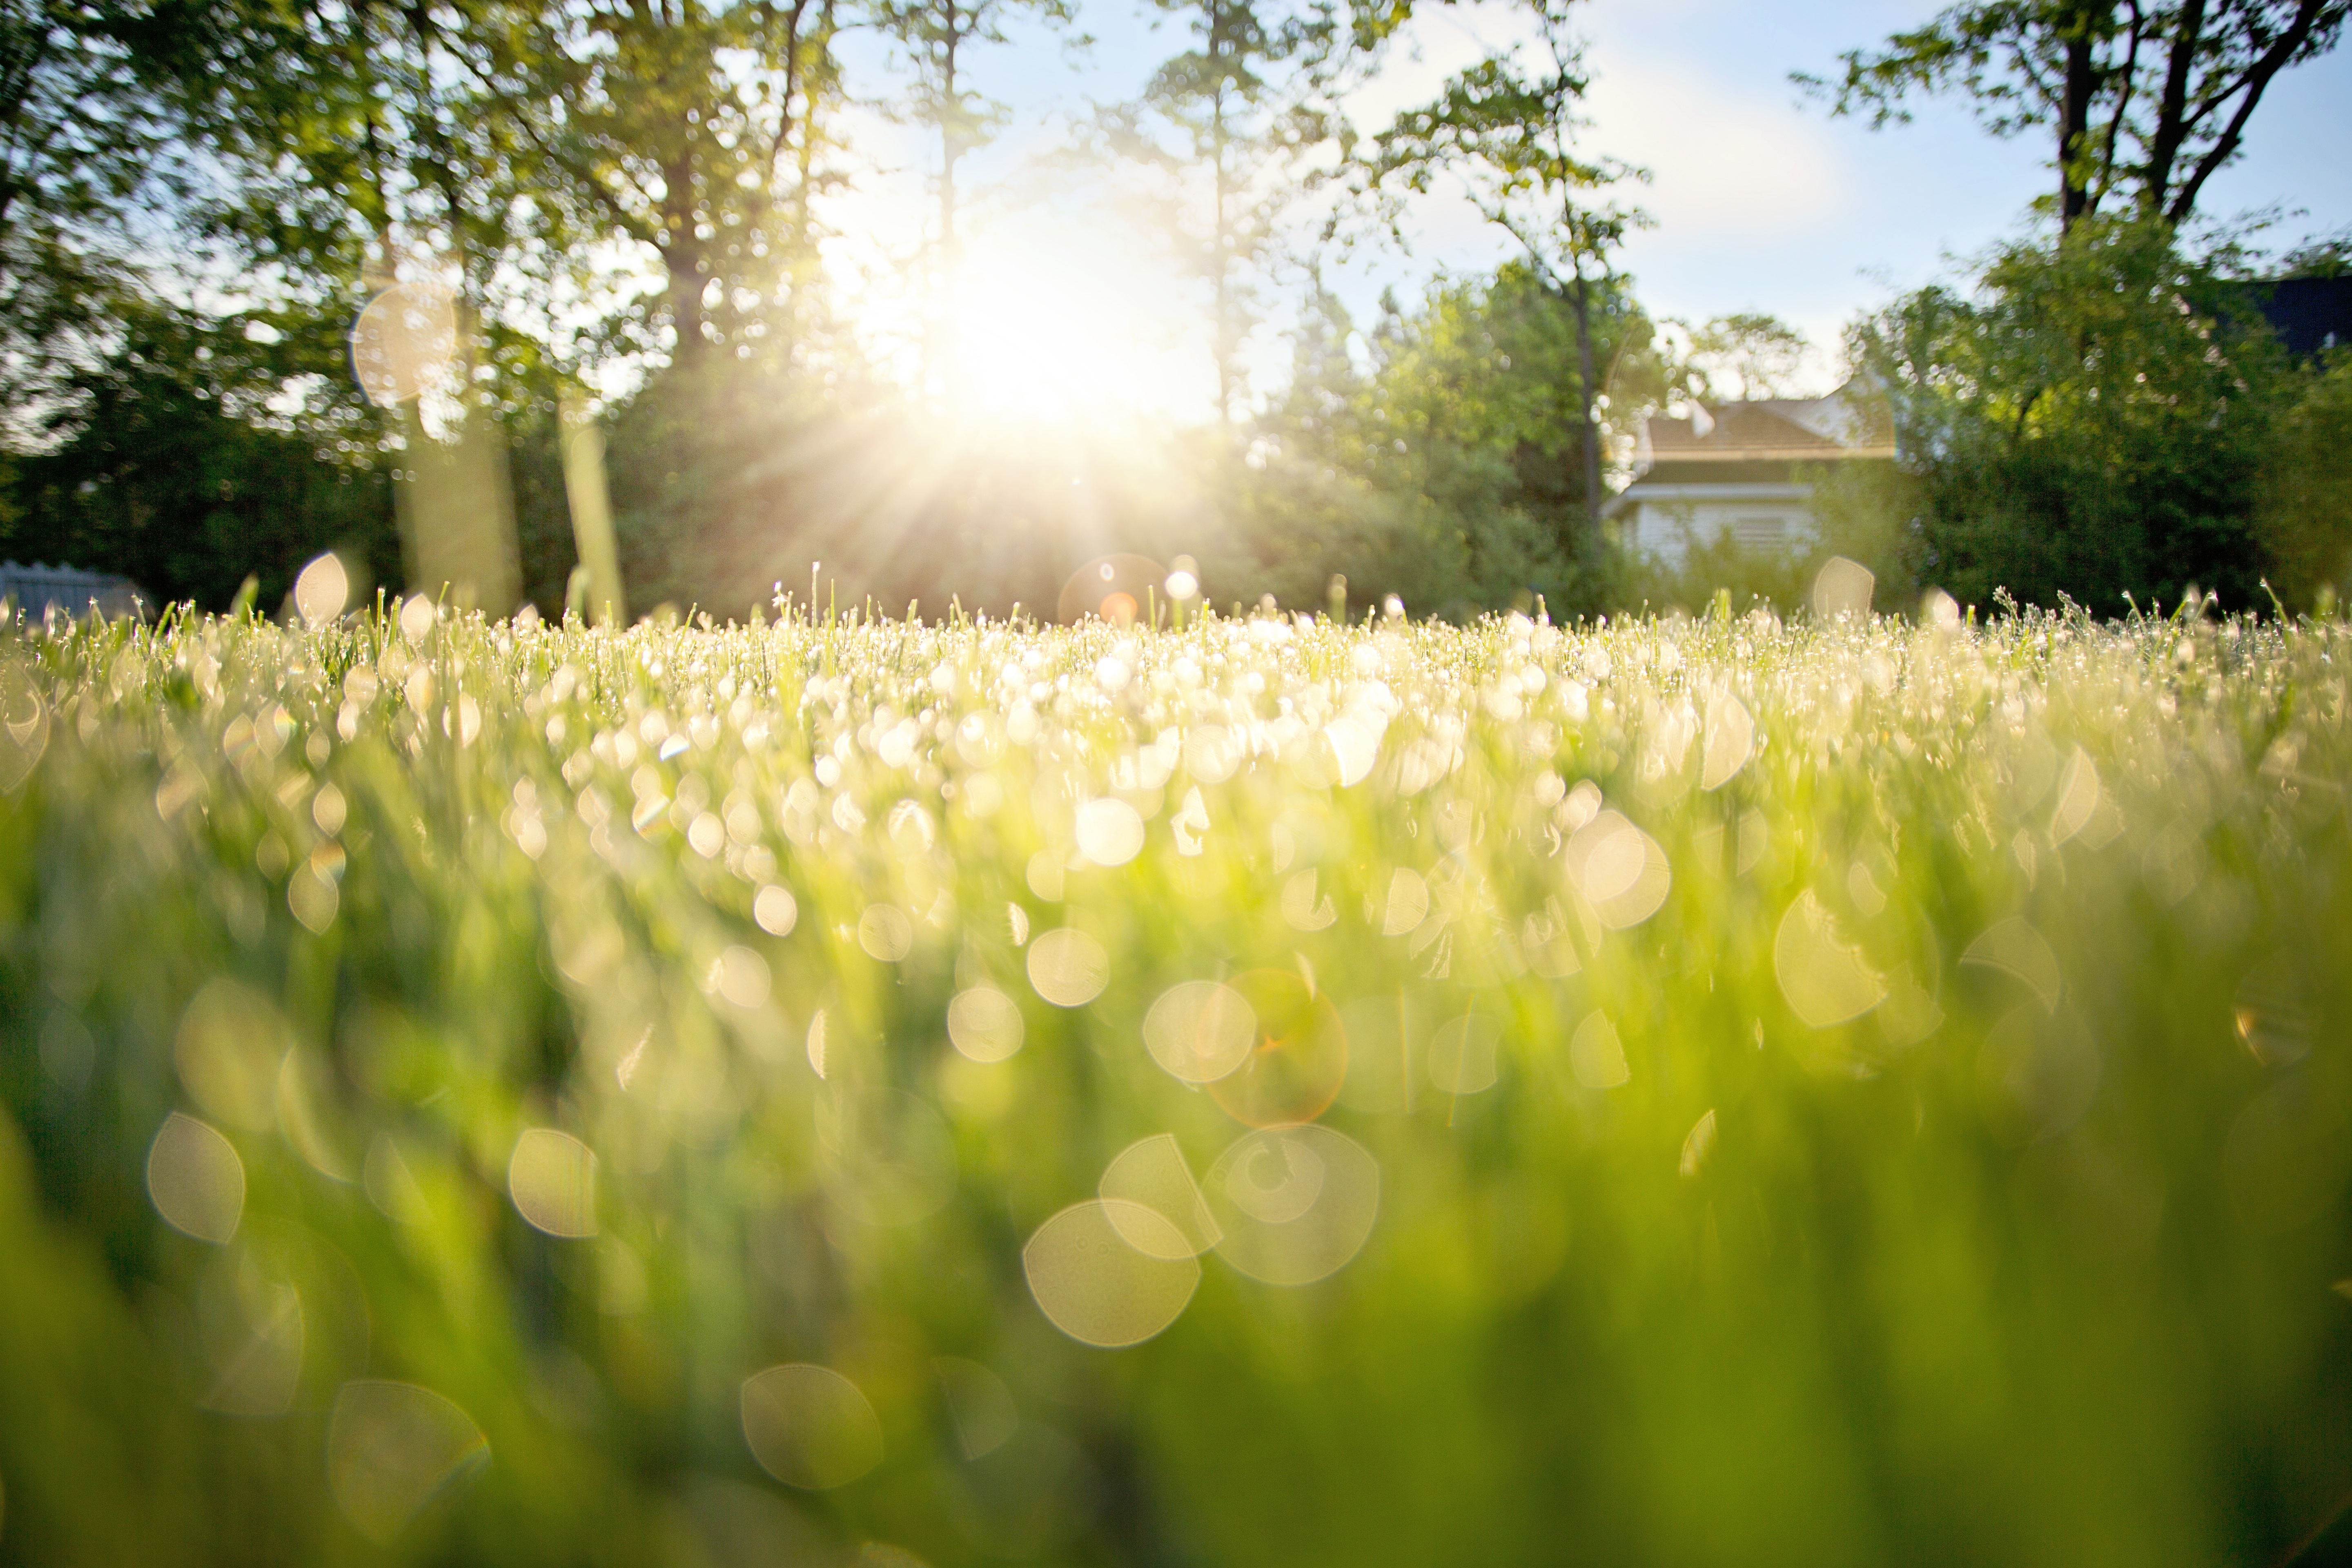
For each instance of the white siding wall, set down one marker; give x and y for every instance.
(1668, 529)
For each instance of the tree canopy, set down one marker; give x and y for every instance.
(2145, 101)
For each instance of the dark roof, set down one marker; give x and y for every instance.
(2308, 313)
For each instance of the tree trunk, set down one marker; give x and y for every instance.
(1591, 444)
(685, 283)
(2171, 114)
(943, 353)
(1220, 235)
(2075, 113)
(950, 150)
(681, 253)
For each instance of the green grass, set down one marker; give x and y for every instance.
(1846, 1092)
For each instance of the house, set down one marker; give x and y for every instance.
(1744, 469)
(35, 589)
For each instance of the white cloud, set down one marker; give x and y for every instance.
(1727, 161)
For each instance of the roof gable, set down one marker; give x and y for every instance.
(1848, 423)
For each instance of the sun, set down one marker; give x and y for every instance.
(1053, 320)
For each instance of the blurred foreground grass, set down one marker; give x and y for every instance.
(1709, 1091)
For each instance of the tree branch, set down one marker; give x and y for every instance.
(2171, 128)
(2258, 77)
(2123, 99)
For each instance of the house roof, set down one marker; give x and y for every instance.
(2308, 313)
(1848, 423)
(1756, 440)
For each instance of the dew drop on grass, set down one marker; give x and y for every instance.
(1842, 588)
(1096, 1286)
(1825, 982)
(1463, 1054)
(393, 1449)
(1699, 1144)
(1407, 903)
(1151, 1174)
(1109, 831)
(2016, 949)
(1046, 876)
(1068, 967)
(390, 1186)
(313, 897)
(323, 589)
(1212, 754)
(25, 727)
(328, 810)
(985, 1024)
(196, 1179)
(416, 618)
(2078, 798)
(2043, 1067)
(1200, 1030)
(809, 1426)
(256, 1334)
(1621, 870)
(1595, 1055)
(1910, 1012)
(1191, 821)
(1730, 741)
(705, 835)
(1301, 909)
(775, 911)
(306, 1115)
(980, 1406)
(885, 932)
(227, 1049)
(1299, 1057)
(552, 1176)
(740, 977)
(1296, 1203)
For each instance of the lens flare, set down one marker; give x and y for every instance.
(1298, 1059)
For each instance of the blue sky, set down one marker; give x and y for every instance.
(1763, 202)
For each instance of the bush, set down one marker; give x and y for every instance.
(2094, 423)
(2304, 511)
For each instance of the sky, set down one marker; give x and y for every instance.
(1761, 200)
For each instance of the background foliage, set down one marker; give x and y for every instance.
(197, 200)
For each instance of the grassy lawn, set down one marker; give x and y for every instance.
(853, 1091)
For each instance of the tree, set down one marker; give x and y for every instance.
(1215, 113)
(84, 135)
(689, 130)
(155, 464)
(1508, 132)
(2149, 98)
(1742, 355)
(937, 36)
(1447, 466)
(2093, 422)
